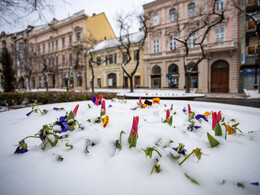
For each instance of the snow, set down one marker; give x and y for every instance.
(105, 170)
(253, 94)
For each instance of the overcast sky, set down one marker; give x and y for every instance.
(111, 8)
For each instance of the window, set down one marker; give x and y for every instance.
(63, 59)
(137, 81)
(156, 45)
(52, 43)
(70, 40)
(63, 42)
(156, 19)
(219, 5)
(173, 42)
(136, 55)
(191, 10)
(49, 46)
(125, 57)
(98, 61)
(115, 58)
(99, 82)
(106, 59)
(57, 44)
(57, 60)
(43, 48)
(79, 79)
(220, 33)
(191, 41)
(172, 15)
(39, 49)
(70, 58)
(111, 59)
(78, 36)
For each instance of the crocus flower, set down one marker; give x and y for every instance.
(144, 105)
(167, 115)
(43, 134)
(181, 151)
(105, 120)
(103, 108)
(22, 148)
(140, 101)
(134, 129)
(189, 110)
(110, 106)
(28, 114)
(149, 103)
(199, 116)
(100, 97)
(229, 129)
(215, 119)
(63, 123)
(56, 108)
(156, 100)
(184, 110)
(190, 128)
(96, 101)
(206, 114)
(75, 110)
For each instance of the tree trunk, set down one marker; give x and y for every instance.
(93, 78)
(131, 84)
(188, 80)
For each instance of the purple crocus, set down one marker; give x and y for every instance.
(94, 100)
(184, 110)
(255, 183)
(43, 134)
(190, 128)
(22, 148)
(28, 114)
(56, 108)
(181, 151)
(110, 106)
(63, 123)
(199, 116)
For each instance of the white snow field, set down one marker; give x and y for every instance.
(228, 168)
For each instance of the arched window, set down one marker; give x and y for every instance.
(173, 76)
(219, 5)
(191, 10)
(172, 15)
(156, 77)
(79, 79)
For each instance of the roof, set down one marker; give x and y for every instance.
(112, 43)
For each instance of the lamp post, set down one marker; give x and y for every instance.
(256, 66)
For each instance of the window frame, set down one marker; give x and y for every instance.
(220, 36)
(191, 10)
(172, 16)
(156, 45)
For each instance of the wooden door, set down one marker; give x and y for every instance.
(220, 77)
(112, 80)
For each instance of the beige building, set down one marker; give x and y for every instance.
(108, 71)
(163, 56)
(58, 50)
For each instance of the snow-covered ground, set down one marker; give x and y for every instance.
(253, 94)
(228, 168)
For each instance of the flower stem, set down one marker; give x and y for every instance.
(186, 158)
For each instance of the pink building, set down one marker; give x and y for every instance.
(163, 55)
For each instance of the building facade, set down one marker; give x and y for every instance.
(163, 55)
(109, 57)
(250, 66)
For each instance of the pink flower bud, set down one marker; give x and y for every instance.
(103, 107)
(134, 126)
(75, 110)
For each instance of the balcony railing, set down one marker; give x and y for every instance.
(252, 50)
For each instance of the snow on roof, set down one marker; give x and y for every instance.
(111, 43)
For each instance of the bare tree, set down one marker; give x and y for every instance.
(208, 18)
(126, 41)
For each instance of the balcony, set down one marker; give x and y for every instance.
(253, 50)
(253, 5)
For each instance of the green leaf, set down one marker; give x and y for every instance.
(174, 157)
(223, 182)
(235, 125)
(52, 139)
(156, 167)
(218, 130)
(213, 142)
(68, 145)
(133, 141)
(170, 121)
(240, 185)
(89, 106)
(191, 179)
(70, 116)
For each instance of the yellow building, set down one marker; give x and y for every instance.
(108, 72)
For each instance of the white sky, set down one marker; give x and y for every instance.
(111, 8)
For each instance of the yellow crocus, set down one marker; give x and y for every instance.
(105, 120)
(144, 105)
(206, 114)
(229, 129)
(156, 100)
